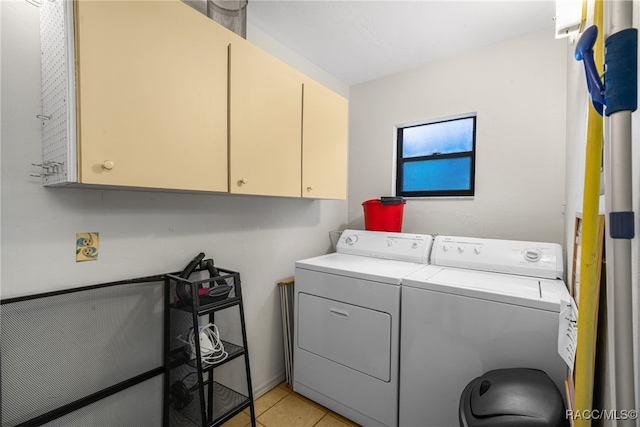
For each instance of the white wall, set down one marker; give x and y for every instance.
(266, 42)
(141, 233)
(518, 89)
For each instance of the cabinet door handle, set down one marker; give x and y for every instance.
(242, 181)
(108, 165)
(310, 188)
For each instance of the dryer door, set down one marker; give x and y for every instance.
(356, 337)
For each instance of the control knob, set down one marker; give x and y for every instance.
(532, 255)
(351, 240)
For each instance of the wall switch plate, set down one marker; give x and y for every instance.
(87, 246)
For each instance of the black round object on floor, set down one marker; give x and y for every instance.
(517, 397)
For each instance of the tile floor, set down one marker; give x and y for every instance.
(282, 407)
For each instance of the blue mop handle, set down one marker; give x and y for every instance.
(621, 78)
(584, 53)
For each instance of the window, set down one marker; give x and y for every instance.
(437, 158)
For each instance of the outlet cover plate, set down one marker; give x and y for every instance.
(87, 246)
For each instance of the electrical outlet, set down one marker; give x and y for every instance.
(87, 246)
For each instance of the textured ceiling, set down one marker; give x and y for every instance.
(358, 41)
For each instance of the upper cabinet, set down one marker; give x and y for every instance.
(324, 143)
(151, 96)
(265, 123)
(134, 94)
(287, 133)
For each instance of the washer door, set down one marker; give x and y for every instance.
(353, 336)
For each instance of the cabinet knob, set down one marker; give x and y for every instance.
(310, 188)
(108, 165)
(242, 181)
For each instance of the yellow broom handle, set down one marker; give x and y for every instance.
(589, 292)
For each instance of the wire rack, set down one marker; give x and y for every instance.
(334, 236)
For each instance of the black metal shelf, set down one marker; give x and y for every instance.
(228, 404)
(210, 307)
(179, 357)
(210, 403)
(232, 350)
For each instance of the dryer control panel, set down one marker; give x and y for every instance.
(380, 244)
(523, 258)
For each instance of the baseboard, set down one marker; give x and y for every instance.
(268, 385)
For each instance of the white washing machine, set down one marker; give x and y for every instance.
(481, 305)
(347, 323)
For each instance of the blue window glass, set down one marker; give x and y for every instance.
(442, 138)
(437, 158)
(437, 175)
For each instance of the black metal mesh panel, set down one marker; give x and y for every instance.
(61, 348)
(138, 406)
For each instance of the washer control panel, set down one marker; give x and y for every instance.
(534, 259)
(380, 244)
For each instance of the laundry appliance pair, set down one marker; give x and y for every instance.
(384, 338)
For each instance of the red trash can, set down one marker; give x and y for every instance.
(384, 214)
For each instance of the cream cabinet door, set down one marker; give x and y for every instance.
(152, 95)
(265, 114)
(324, 143)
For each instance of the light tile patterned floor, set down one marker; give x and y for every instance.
(281, 407)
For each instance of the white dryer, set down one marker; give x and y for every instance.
(482, 304)
(347, 323)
